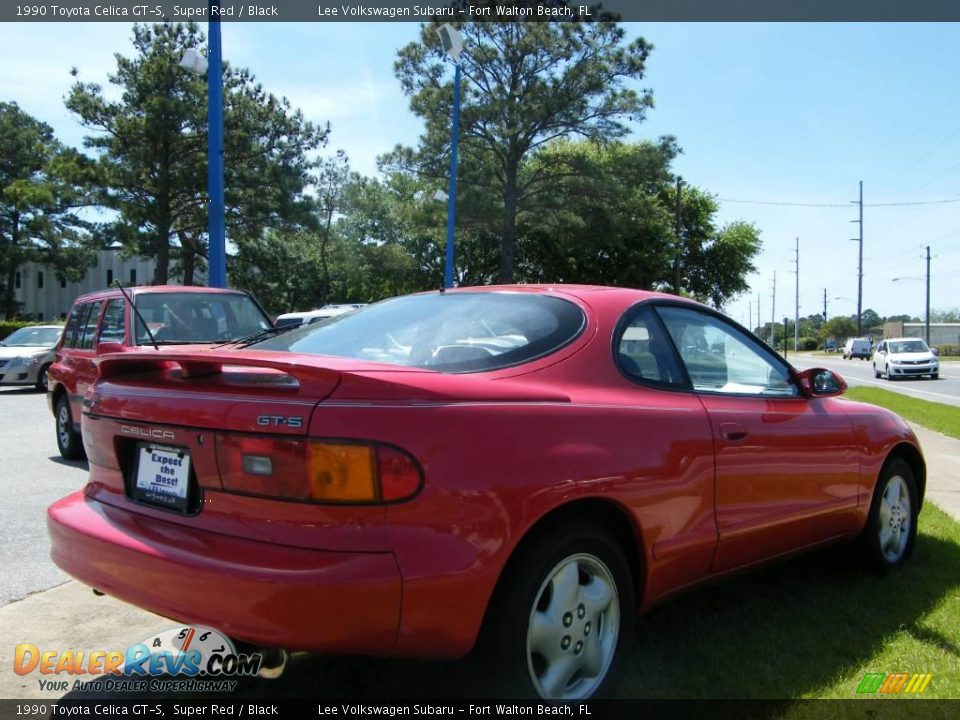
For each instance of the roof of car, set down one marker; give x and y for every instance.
(596, 295)
(150, 289)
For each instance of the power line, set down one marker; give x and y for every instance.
(838, 205)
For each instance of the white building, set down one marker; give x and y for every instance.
(42, 296)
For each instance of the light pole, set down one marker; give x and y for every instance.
(926, 328)
(452, 41)
(193, 62)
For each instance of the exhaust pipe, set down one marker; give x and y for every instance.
(274, 663)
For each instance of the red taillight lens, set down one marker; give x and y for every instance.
(400, 476)
(317, 471)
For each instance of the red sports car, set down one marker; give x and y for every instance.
(539, 463)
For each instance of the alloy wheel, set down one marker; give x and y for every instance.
(895, 515)
(573, 628)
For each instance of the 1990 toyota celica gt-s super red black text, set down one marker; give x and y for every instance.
(536, 463)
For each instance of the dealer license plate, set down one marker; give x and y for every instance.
(163, 476)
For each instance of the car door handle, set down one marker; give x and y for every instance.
(732, 431)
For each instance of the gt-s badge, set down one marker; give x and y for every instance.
(290, 421)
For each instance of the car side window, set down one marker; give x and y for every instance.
(112, 327)
(70, 331)
(719, 358)
(644, 353)
(87, 332)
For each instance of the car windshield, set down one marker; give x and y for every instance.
(909, 346)
(448, 332)
(33, 337)
(197, 317)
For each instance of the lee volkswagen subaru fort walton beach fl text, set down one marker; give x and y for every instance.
(537, 464)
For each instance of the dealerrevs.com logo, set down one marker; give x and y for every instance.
(195, 659)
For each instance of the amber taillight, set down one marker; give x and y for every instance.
(321, 471)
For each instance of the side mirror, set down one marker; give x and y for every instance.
(935, 351)
(820, 382)
(105, 348)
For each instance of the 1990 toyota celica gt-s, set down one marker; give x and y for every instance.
(536, 463)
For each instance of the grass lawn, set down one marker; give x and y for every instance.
(936, 416)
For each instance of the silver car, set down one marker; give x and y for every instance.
(26, 354)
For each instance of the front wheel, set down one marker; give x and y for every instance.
(563, 616)
(935, 376)
(891, 532)
(42, 381)
(68, 439)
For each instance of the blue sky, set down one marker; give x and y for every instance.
(793, 113)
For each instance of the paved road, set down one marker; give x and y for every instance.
(32, 475)
(860, 372)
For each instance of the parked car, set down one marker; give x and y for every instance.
(905, 357)
(857, 348)
(536, 463)
(289, 321)
(26, 354)
(104, 322)
(830, 345)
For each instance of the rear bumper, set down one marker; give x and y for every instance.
(261, 593)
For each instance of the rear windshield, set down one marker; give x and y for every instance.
(452, 332)
(197, 317)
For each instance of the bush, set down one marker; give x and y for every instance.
(805, 343)
(949, 350)
(8, 327)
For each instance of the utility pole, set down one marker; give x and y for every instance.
(773, 314)
(759, 321)
(750, 327)
(824, 306)
(927, 328)
(676, 249)
(796, 309)
(859, 239)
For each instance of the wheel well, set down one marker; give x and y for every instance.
(609, 516)
(909, 454)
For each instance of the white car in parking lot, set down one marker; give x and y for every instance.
(26, 354)
(904, 357)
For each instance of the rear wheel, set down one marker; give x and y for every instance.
(563, 616)
(68, 439)
(888, 539)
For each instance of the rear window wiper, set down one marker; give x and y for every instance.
(252, 338)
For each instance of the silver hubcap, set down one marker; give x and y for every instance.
(573, 629)
(63, 425)
(894, 519)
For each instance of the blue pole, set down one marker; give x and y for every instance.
(452, 195)
(215, 211)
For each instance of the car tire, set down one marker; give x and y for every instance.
(891, 531)
(886, 374)
(562, 616)
(935, 376)
(68, 439)
(42, 385)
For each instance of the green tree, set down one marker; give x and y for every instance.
(524, 85)
(151, 145)
(839, 328)
(609, 220)
(41, 191)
